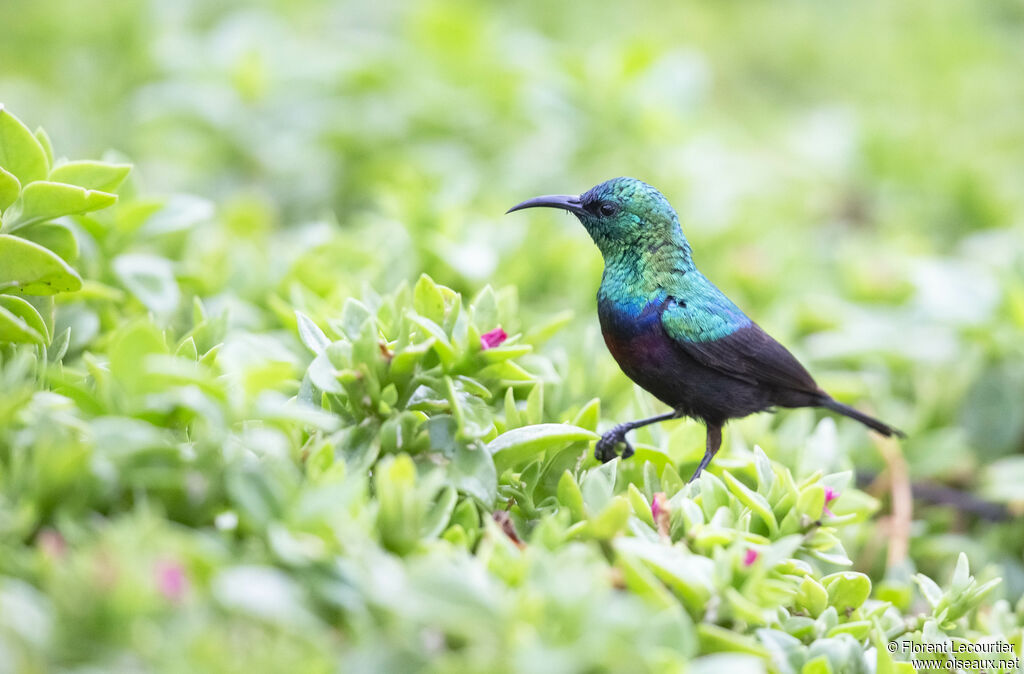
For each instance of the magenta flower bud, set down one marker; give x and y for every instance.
(662, 516)
(171, 579)
(830, 495)
(659, 505)
(52, 543)
(750, 557)
(491, 339)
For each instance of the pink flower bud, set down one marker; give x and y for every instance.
(660, 513)
(171, 579)
(491, 339)
(830, 495)
(750, 557)
(52, 543)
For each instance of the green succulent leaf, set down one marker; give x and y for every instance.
(519, 445)
(42, 200)
(20, 151)
(10, 187)
(92, 175)
(31, 269)
(20, 322)
(55, 236)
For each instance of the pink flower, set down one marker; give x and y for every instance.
(660, 513)
(750, 557)
(830, 495)
(52, 543)
(491, 339)
(171, 580)
(659, 505)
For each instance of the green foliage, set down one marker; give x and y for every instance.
(249, 435)
(401, 479)
(36, 253)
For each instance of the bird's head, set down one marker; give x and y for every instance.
(619, 214)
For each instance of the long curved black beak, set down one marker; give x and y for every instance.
(564, 201)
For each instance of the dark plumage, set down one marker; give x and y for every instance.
(672, 331)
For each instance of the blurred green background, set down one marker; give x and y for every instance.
(851, 174)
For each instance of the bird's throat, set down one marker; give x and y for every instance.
(637, 274)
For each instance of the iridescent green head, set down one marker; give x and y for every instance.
(620, 214)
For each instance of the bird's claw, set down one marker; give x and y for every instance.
(604, 450)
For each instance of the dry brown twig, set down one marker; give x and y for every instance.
(902, 500)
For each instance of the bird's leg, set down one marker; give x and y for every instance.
(713, 443)
(604, 451)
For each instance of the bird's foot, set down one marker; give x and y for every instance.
(604, 451)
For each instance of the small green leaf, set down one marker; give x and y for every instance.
(28, 268)
(610, 521)
(472, 472)
(752, 500)
(28, 313)
(961, 574)
(765, 474)
(55, 236)
(42, 200)
(811, 501)
(929, 588)
(485, 309)
(311, 334)
(514, 447)
(20, 151)
(324, 375)
(14, 328)
(511, 412)
(598, 486)
(10, 187)
(811, 596)
(713, 494)
(92, 175)
(535, 404)
(847, 590)
(353, 314)
(715, 639)
(427, 299)
(45, 143)
(671, 483)
(858, 629)
(589, 415)
(187, 349)
(570, 496)
(59, 347)
(442, 347)
(440, 513)
(641, 508)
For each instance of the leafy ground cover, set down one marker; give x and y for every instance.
(289, 395)
(385, 485)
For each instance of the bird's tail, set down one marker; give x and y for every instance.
(870, 422)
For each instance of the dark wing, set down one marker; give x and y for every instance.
(747, 353)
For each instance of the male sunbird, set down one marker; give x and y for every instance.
(672, 331)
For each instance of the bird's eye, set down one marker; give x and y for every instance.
(608, 209)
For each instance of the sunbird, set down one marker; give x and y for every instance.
(672, 331)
